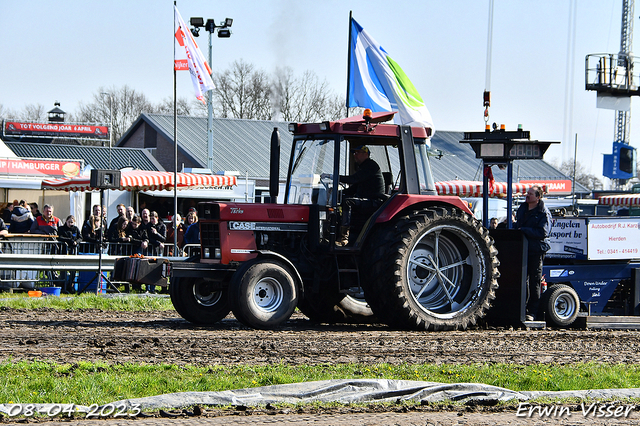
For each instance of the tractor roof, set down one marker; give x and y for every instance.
(358, 127)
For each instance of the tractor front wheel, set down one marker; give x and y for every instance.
(263, 294)
(199, 301)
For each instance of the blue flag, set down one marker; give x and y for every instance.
(377, 82)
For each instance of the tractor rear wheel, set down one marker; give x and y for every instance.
(199, 301)
(263, 294)
(435, 269)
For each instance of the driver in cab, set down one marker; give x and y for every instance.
(366, 190)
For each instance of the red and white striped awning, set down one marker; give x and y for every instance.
(144, 180)
(465, 188)
(620, 200)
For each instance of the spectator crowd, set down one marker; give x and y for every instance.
(127, 234)
(145, 233)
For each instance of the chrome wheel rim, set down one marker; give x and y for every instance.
(445, 271)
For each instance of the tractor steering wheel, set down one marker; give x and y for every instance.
(326, 181)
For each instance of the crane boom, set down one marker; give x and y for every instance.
(623, 118)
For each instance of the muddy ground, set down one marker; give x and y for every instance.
(164, 337)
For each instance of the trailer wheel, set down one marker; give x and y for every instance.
(263, 294)
(199, 301)
(562, 305)
(435, 269)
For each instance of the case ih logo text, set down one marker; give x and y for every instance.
(236, 210)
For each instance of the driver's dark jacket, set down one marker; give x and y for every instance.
(366, 182)
(535, 224)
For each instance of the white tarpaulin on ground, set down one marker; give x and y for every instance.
(349, 391)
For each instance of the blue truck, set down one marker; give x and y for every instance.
(592, 271)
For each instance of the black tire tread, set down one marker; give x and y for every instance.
(184, 302)
(549, 301)
(384, 253)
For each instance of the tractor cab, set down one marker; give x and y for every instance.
(322, 152)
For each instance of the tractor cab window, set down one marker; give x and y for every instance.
(311, 158)
(427, 185)
(314, 157)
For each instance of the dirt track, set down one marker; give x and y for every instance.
(164, 337)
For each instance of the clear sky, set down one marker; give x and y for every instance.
(66, 50)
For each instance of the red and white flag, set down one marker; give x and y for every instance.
(194, 62)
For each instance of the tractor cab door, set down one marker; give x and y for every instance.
(311, 157)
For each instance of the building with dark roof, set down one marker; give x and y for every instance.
(244, 145)
(95, 156)
(27, 185)
(238, 145)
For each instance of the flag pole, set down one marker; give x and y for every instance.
(349, 61)
(175, 140)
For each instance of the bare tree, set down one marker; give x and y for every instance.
(304, 99)
(242, 92)
(183, 107)
(33, 112)
(6, 113)
(127, 107)
(582, 176)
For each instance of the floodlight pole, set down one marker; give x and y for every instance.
(110, 128)
(110, 124)
(210, 116)
(211, 27)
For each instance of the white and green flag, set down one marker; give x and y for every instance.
(377, 82)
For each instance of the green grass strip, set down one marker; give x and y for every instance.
(123, 302)
(87, 383)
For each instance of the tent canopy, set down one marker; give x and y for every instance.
(144, 180)
(620, 200)
(465, 188)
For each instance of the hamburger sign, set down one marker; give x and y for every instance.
(44, 168)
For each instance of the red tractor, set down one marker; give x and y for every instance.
(420, 261)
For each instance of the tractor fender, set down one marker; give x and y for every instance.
(401, 202)
(294, 270)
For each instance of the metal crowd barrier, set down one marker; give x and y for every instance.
(27, 259)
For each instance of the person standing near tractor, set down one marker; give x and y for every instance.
(157, 233)
(534, 220)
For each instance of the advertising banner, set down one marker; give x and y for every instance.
(568, 238)
(43, 168)
(55, 130)
(553, 186)
(616, 238)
